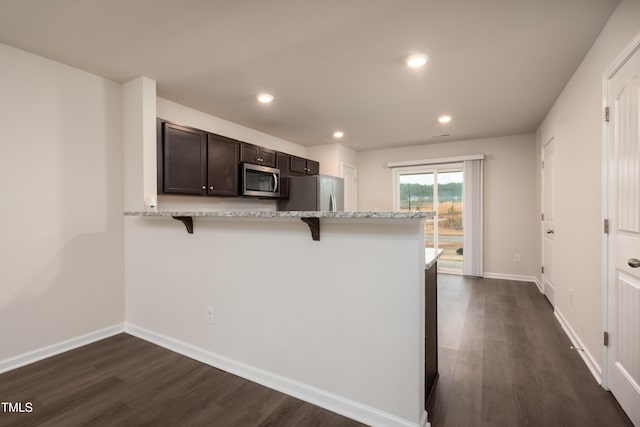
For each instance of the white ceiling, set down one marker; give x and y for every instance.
(496, 66)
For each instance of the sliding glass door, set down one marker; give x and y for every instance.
(437, 188)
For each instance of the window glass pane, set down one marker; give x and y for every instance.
(450, 233)
(416, 192)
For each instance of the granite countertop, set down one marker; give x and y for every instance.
(286, 214)
(431, 256)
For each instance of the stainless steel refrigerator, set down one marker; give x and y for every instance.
(314, 193)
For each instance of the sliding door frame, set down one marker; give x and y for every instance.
(434, 169)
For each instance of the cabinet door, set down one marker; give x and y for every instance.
(267, 157)
(298, 165)
(313, 167)
(185, 160)
(249, 153)
(222, 166)
(431, 334)
(283, 164)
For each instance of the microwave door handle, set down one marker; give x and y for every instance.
(275, 182)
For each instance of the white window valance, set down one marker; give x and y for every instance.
(441, 160)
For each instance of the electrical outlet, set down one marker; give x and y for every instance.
(516, 257)
(210, 317)
(570, 296)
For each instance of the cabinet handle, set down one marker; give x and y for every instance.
(204, 187)
(211, 188)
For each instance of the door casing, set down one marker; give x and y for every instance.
(549, 267)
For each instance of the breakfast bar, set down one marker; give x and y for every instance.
(339, 321)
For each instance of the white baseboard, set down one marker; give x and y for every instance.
(539, 285)
(333, 402)
(515, 277)
(61, 347)
(588, 359)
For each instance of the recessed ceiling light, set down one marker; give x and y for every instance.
(265, 98)
(338, 134)
(444, 119)
(416, 60)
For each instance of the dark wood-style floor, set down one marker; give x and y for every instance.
(125, 381)
(504, 361)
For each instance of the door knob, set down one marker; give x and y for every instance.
(550, 232)
(634, 263)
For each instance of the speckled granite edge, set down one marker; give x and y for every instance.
(288, 214)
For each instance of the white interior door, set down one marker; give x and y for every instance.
(548, 221)
(350, 176)
(623, 294)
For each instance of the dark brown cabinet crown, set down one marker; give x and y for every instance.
(300, 166)
(256, 155)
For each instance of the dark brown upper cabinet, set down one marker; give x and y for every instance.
(250, 153)
(313, 167)
(222, 166)
(300, 166)
(191, 161)
(184, 160)
(282, 163)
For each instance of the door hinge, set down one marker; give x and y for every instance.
(606, 226)
(606, 114)
(542, 269)
(543, 164)
(542, 216)
(606, 338)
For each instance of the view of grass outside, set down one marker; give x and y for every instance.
(417, 193)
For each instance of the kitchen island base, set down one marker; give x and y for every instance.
(337, 322)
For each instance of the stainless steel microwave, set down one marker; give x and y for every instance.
(260, 181)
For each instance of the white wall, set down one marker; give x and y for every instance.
(61, 222)
(575, 122)
(183, 115)
(510, 209)
(331, 157)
